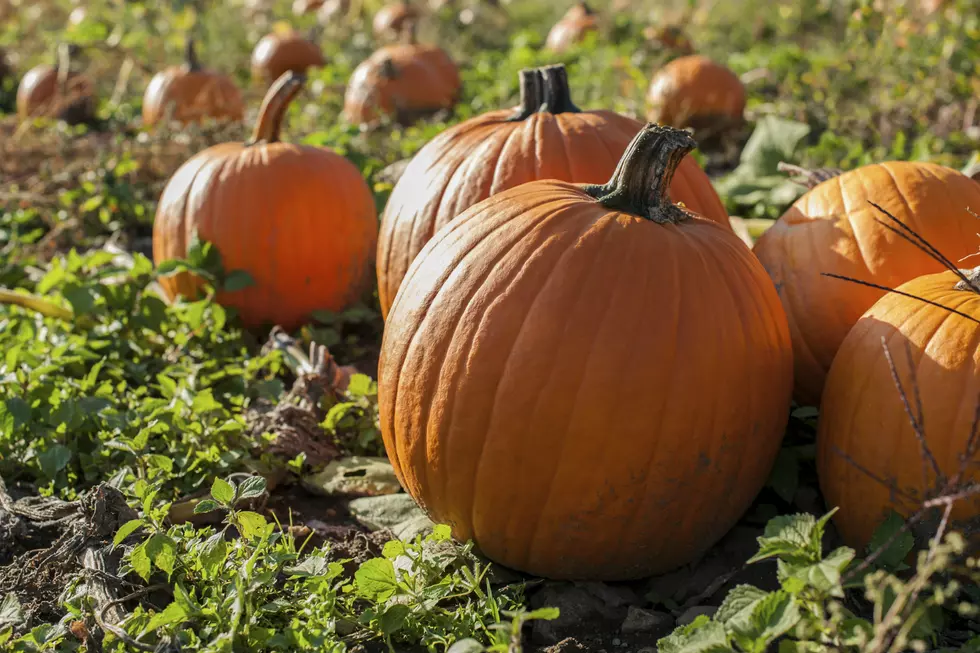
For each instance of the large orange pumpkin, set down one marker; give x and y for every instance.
(403, 81)
(547, 136)
(190, 93)
(57, 91)
(833, 228)
(693, 90)
(300, 219)
(277, 53)
(863, 418)
(588, 381)
(579, 21)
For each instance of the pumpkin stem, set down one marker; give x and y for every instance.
(544, 90)
(388, 69)
(641, 181)
(63, 62)
(274, 106)
(191, 62)
(971, 282)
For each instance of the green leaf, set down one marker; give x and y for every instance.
(773, 140)
(253, 486)
(893, 556)
(54, 459)
(393, 549)
(126, 530)
(362, 385)
(700, 636)
(170, 267)
(789, 537)
(214, 550)
(171, 615)
(738, 604)
(394, 618)
(467, 645)
(375, 580)
(140, 561)
(542, 614)
(223, 491)
(441, 533)
(162, 550)
(10, 611)
(251, 524)
(772, 616)
(82, 299)
(310, 567)
(237, 280)
(784, 478)
(206, 505)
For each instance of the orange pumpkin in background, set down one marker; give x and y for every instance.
(403, 81)
(833, 228)
(579, 21)
(393, 20)
(670, 37)
(190, 93)
(571, 371)
(277, 53)
(547, 136)
(57, 91)
(693, 90)
(299, 219)
(862, 417)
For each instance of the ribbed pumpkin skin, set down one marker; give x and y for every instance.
(194, 95)
(484, 155)
(585, 393)
(862, 413)
(299, 219)
(693, 88)
(426, 79)
(833, 228)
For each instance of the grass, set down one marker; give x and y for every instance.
(105, 388)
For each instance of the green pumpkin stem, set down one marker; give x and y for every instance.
(274, 106)
(191, 62)
(544, 90)
(641, 181)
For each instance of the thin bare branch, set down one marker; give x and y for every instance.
(900, 292)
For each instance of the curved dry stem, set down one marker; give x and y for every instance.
(274, 105)
(811, 178)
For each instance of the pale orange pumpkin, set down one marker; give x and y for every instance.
(693, 90)
(57, 91)
(833, 228)
(547, 136)
(864, 429)
(570, 372)
(277, 53)
(299, 219)
(578, 22)
(191, 92)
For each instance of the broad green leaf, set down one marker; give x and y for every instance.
(162, 550)
(393, 618)
(238, 280)
(126, 530)
(467, 646)
(542, 614)
(310, 567)
(140, 561)
(773, 615)
(54, 459)
(700, 636)
(899, 544)
(787, 536)
(206, 505)
(393, 549)
(738, 604)
(441, 532)
(253, 486)
(10, 611)
(375, 579)
(214, 550)
(171, 615)
(251, 524)
(223, 491)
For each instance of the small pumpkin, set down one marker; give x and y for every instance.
(191, 92)
(693, 90)
(864, 428)
(394, 19)
(833, 228)
(404, 81)
(58, 91)
(299, 219)
(579, 21)
(547, 136)
(670, 37)
(279, 52)
(537, 374)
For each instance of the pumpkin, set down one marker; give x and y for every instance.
(299, 219)
(393, 20)
(277, 53)
(670, 37)
(693, 90)
(547, 136)
(190, 92)
(57, 91)
(864, 428)
(587, 380)
(833, 228)
(579, 21)
(404, 81)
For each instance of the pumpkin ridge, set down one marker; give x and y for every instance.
(605, 234)
(411, 343)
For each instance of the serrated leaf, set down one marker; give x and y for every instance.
(253, 486)
(893, 556)
(700, 636)
(251, 524)
(738, 604)
(126, 530)
(467, 646)
(140, 561)
(223, 491)
(162, 550)
(310, 567)
(375, 580)
(206, 505)
(169, 616)
(11, 613)
(394, 618)
(393, 549)
(786, 536)
(213, 554)
(772, 616)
